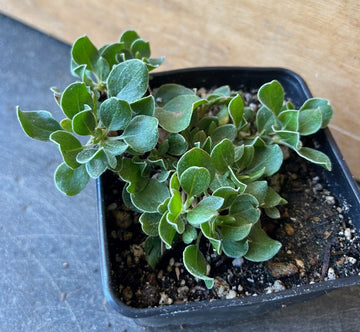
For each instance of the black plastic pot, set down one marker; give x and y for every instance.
(339, 181)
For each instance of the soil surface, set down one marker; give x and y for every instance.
(319, 243)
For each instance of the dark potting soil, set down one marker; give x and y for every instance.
(319, 243)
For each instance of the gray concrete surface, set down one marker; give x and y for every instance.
(49, 252)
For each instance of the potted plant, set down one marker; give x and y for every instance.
(196, 162)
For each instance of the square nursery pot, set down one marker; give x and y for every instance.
(339, 181)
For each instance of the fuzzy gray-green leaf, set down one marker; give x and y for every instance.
(166, 231)
(261, 246)
(223, 155)
(236, 109)
(235, 249)
(324, 106)
(128, 80)
(195, 180)
(71, 181)
(196, 264)
(144, 106)
(151, 196)
(69, 145)
(150, 223)
(115, 114)
(310, 121)
(84, 52)
(196, 157)
(271, 95)
(38, 124)
(175, 115)
(84, 123)
(205, 210)
(316, 157)
(97, 164)
(246, 206)
(75, 99)
(141, 134)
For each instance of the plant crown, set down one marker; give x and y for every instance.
(193, 167)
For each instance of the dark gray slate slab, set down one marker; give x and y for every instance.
(49, 259)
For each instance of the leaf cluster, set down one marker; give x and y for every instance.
(193, 167)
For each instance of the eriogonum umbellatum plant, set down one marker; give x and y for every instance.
(192, 166)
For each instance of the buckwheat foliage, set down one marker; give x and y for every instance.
(196, 169)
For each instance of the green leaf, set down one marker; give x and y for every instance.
(177, 222)
(86, 155)
(75, 99)
(110, 51)
(222, 90)
(272, 199)
(84, 123)
(236, 109)
(175, 205)
(315, 156)
(310, 121)
(258, 189)
(115, 147)
(169, 91)
(130, 172)
(150, 223)
(152, 250)
(236, 230)
(97, 164)
(228, 193)
(226, 131)
(246, 206)
(175, 116)
(195, 180)
(128, 37)
(141, 47)
(196, 157)
(289, 120)
(69, 145)
(289, 138)
(190, 234)
(205, 210)
(141, 134)
(144, 106)
(272, 212)
(102, 69)
(261, 246)
(115, 114)
(66, 124)
(71, 181)
(235, 249)
(196, 264)
(128, 80)
(166, 231)
(84, 52)
(223, 155)
(240, 186)
(324, 106)
(271, 95)
(211, 236)
(177, 144)
(174, 182)
(246, 157)
(153, 63)
(221, 180)
(38, 124)
(265, 120)
(151, 196)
